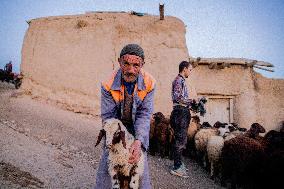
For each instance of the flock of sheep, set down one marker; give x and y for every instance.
(235, 156)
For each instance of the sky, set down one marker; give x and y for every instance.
(252, 29)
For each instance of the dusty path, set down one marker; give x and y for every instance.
(42, 146)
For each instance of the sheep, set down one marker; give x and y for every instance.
(274, 164)
(275, 140)
(153, 139)
(200, 141)
(193, 128)
(170, 141)
(162, 138)
(169, 145)
(242, 159)
(206, 125)
(199, 106)
(161, 134)
(218, 124)
(214, 148)
(118, 141)
(254, 130)
(152, 142)
(233, 134)
(238, 131)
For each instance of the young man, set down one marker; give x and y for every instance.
(128, 95)
(180, 116)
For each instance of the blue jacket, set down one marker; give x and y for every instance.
(179, 92)
(112, 99)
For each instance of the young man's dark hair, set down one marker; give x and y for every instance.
(182, 65)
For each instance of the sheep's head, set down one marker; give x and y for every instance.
(206, 125)
(254, 130)
(113, 131)
(158, 116)
(195, 119)
(225, 129)
(271, 135)
(218, 124)
(257, 128)
(235, 125)
(275, 139)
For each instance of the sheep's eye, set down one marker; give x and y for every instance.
(116, 134)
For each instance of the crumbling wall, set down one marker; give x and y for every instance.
(64, 59)
(270, 101)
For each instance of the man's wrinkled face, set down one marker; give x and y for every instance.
(130, 66)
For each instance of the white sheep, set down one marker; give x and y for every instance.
(201, 139)
(233, 134)
(118, 141)
(238, 132)
(214, 149)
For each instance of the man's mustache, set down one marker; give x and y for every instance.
(129, 75)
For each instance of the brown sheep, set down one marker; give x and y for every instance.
(254, 130)
(282, 127)
(242, 161)
(274, 164)
(162, 135)
(193, 128)
(152, 140)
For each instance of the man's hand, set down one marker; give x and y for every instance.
(135, 152)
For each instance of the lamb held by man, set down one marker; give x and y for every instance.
(118, 141)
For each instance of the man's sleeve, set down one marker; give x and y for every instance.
(143, 116)
(178, 88)
(108, 106)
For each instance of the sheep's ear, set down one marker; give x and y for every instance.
(218, 132)
(119, 127)
(122, 137)
(101, 135)
(261, 129)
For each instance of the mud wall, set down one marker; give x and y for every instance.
(64, 59)
(255, 98)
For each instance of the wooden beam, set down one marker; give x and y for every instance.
(255, 66)
(232, 61)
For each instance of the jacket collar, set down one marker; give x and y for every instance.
(181, 76)
(116, 85)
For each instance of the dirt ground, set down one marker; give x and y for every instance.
(43, 146)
